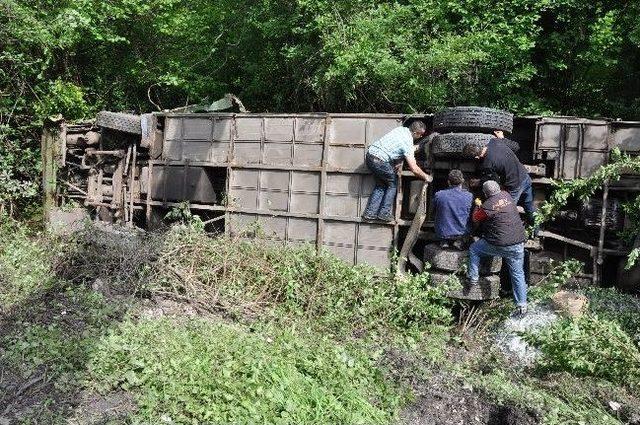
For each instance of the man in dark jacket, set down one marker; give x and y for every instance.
(503, 236)
(498, 162)
(452, 211)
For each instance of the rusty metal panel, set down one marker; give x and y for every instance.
(172, 128)
(596, 137)
(591, 161)
(278, 153)
(627, 138)
(379, 127)
(178, 183)
(374, 242)
(347, 158)
(347, 131)
(246, 153)
(549, 136)
(249, 128)
(342, 195)
(310, 130)
(302, 229)
(222, 128)
(197, 128)
(279, 129)
(307, 155)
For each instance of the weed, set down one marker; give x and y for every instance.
(558, 276)
(623, 309)
(589, 346)
(206, 372)
(25, 264)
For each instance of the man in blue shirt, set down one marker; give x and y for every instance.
(452, 210)
(384, 159)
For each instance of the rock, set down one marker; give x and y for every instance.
(569, 303)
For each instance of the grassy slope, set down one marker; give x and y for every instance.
(284, 354)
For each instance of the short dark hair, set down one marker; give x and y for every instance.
(418, 126)
(456, 178)
(472, 150)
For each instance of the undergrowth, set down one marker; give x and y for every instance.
(589, 346)
(25, 263)
(205, 372)
(261, 279)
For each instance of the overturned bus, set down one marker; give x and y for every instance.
(302, 178)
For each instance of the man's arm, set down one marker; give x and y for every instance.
(417, 171)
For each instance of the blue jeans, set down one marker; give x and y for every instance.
(513, 255)
(525, 193)
(384, 193)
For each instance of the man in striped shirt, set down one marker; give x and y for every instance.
(384, 159)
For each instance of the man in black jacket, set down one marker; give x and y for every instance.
(503, 236)
(498, 162)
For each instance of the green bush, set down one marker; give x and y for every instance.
(589, 346)
(254, 277)
(206, 372)
(623, 309)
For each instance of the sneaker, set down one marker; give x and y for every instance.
(471, 282)
(369, 217)
(386, 218)
(444, 244)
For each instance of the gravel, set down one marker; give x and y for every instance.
(512, 344)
